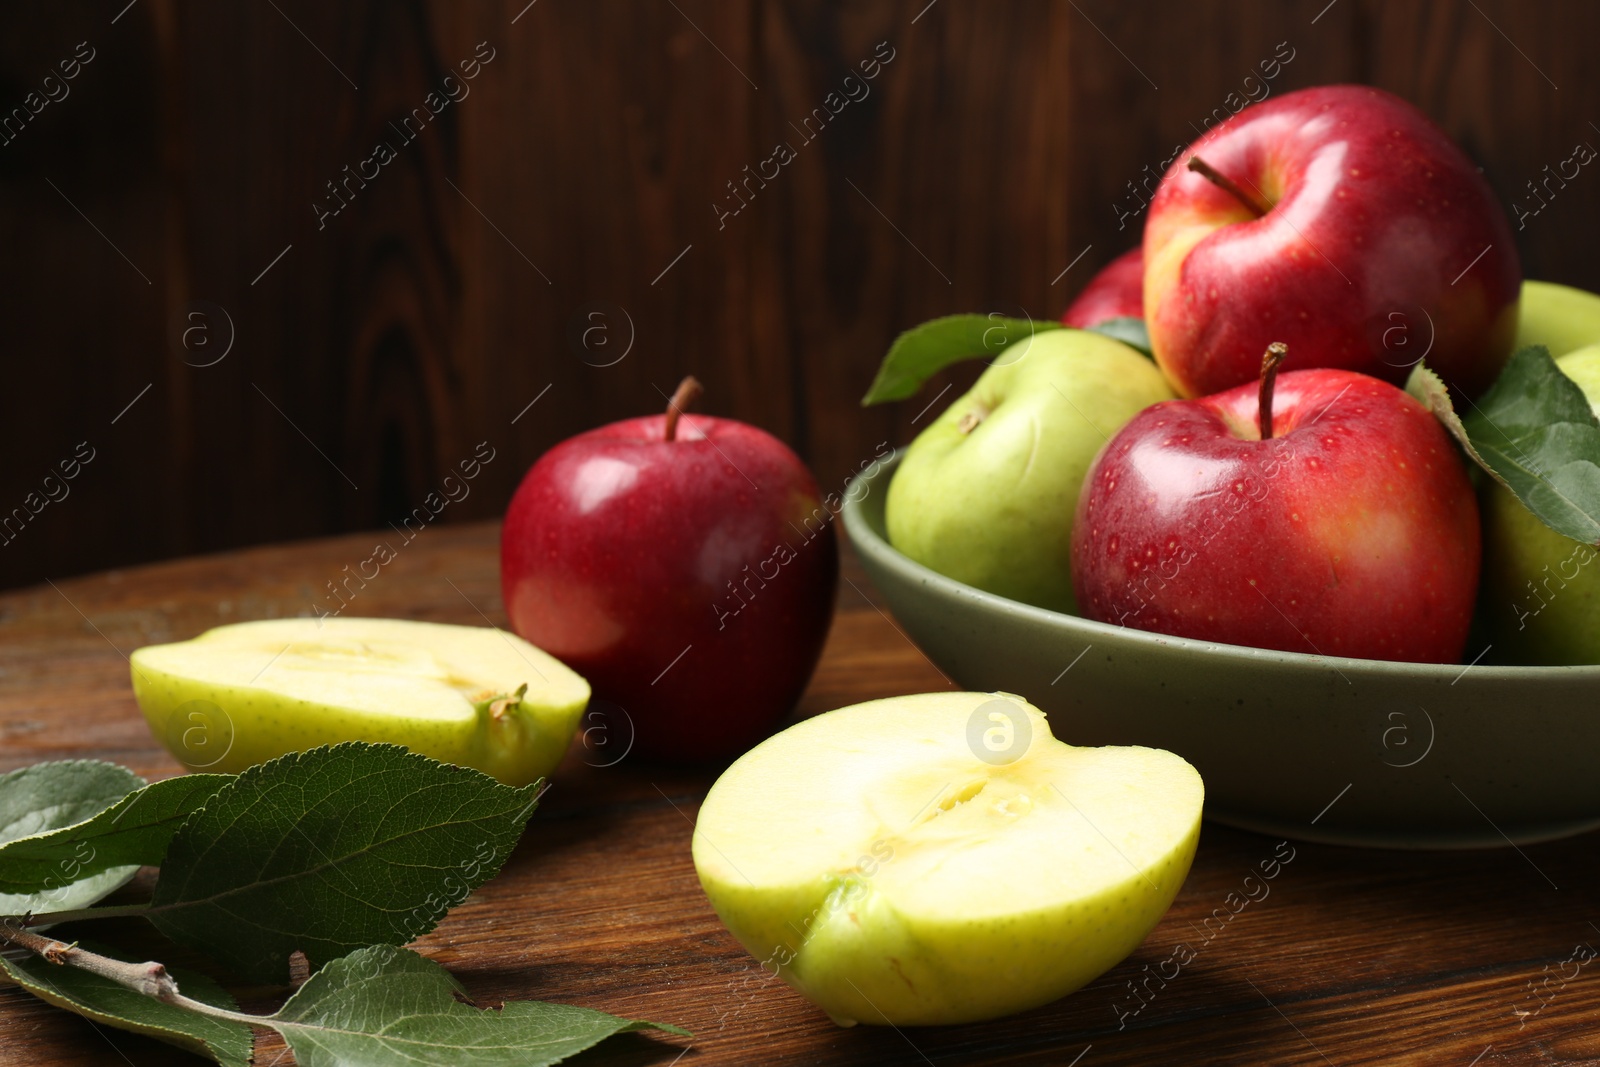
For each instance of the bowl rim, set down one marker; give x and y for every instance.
(869, 542)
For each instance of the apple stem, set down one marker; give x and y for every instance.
(687, 392)
(499, 706)
(1271, 359)
(1226, 184)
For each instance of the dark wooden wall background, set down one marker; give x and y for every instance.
(377, 351)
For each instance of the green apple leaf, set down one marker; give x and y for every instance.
(132, 832)
(49, 796)
(925, 350)
(101, 1000)
(390, 1005)
(1535, 433)
(332, 850)
(1429, 388)
(68, 896)
(1127, 329)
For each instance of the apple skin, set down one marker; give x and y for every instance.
(1353, 531)
(1376, 223)
(1117, 292)
(993, 507)
(621, 549)
(1561, 318)
(1541, 590)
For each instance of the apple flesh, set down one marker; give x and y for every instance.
(242, 694)
(986, 494)
(1117, 292)
(941, 858)
(1541, 590)
(1561, 318)
(1351, 530)
(1350, 217)
(686, 566)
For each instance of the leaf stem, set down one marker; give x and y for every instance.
(149, 978)
(107, 911)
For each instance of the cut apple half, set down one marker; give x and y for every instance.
(474, 696)
(941, 858)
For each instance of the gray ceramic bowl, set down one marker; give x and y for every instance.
(1347, 751)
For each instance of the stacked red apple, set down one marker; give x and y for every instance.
(1320, 509)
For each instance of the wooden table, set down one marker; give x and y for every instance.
(1354, 957)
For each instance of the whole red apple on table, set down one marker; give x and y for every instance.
(685, 565)
(1117, 292)
(1346, 526)
(1332, 218)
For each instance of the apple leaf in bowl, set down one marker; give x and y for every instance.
(1535, 433)
(923, 351)
(926, 349)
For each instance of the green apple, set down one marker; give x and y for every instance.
(1541, 590)
(1561, 318)
(474, 696)
(986, 494)
(941, 858)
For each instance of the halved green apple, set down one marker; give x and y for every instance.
(474, 696)
(941, 858)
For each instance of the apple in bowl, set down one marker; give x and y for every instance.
(1541, 589)
(1328, 218)
(1560, 317)
(986, 494)
(1117, 292)
(1322, 511)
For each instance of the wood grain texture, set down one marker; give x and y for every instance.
(564, 212)
(1353, 956)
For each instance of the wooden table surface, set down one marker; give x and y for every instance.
(1353, 956)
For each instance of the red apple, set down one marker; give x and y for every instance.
(1117, 292)
(1342, 524)
(1336, 219)
(685, 566)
